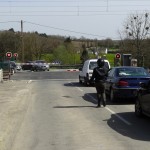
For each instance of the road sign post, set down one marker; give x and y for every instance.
(15, 56)
(117, 59)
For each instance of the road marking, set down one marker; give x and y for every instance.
(125, 121)
(112, 112)
(29, 81)
(79, 89)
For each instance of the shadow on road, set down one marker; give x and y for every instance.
(138, 130)
(74, 107)
(92, 97)
(74, 84)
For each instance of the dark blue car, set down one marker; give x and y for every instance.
(123, 81)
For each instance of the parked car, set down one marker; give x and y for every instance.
(86, 71)
(123, 81)
(142, 103)
(40, 65)
(27, 65)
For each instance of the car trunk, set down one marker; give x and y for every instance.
(132, 81)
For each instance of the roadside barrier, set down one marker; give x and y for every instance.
(1, 75)
(6, 74)
(73, 70)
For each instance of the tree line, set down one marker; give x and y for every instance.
(134, 39)
(51, 48)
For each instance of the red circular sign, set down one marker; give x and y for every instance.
(15, 54)
(118, 55)
(8, 54)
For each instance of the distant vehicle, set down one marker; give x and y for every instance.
(123, 81)
(18, 67)
(27, 65)
(40, 65)
(86, 71)
(142, 103)
(13, 67)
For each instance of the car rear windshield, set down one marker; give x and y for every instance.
(132, 72)
(94, 64)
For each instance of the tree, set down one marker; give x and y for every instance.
(84, 55)
(9, 41)
(137, 31)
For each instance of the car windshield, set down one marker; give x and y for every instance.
(132, 72)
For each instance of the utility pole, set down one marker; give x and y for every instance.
(22, 42)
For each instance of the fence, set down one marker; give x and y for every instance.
(66, 66)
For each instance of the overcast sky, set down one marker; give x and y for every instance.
(95, 19)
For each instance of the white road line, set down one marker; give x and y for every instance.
(112, 112)
(79, 89)
(29, 81)
(125, 121)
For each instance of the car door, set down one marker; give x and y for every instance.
(145, 99)
(110, 79)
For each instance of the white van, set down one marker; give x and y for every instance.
(86, 71)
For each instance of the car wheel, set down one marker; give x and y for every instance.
(80, 81)
(86, 83)
(138, 108)
(112, 96)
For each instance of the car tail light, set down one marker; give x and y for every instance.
(123, 83)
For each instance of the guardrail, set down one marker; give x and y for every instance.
(66, 66)
(1, 75)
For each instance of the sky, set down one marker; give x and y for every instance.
(93, 19)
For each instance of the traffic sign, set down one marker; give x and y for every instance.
(15, 54)
(8, 54)
(118, 56)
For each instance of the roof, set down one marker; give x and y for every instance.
(127, 67)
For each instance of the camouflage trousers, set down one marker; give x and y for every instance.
(100, 88)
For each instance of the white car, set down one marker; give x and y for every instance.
(86, 71)
(18, 67)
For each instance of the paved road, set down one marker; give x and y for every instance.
(59, 113)
(43, 75)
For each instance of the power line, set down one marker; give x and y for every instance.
(36, 1)
(53, 1)
(110, 5)
(71, 31)
(10, 21)
(72, 15)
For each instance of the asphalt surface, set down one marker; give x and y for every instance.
(15, 95)
(52, 111)
(12, 107)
